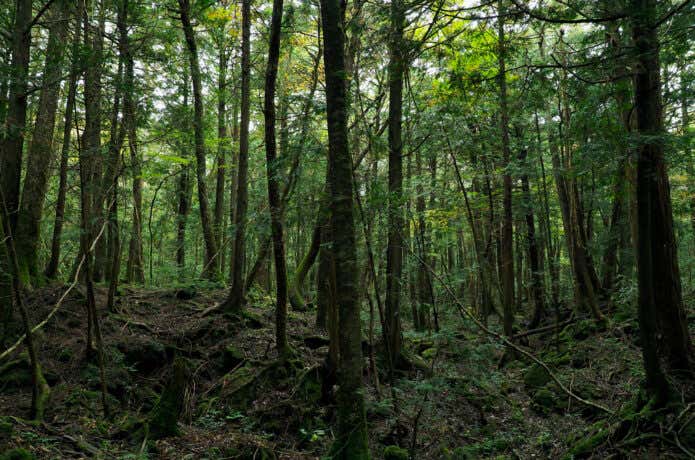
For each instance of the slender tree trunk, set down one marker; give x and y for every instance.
(236, 299)
(52, 267)
(534, 259)
(183, 193)
(12, 136)
(135, 269)
(506, 248)
(351, 441)
(274, 201)
(222, 151)
(396, 225)
(210, 266)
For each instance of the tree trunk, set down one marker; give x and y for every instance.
(274, 201)
(135, 269)
(210, 266)
(40, 155)
(396, 224)
(534, 259)
(506, 247)
(657, 258)
(222, 150)
(183, 193)
(52, 267)
(235, 301)
(351, 442)
(12, 137)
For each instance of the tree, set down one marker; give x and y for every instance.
(657, 261)
(235, 301)
(210, 267)
(274, 203)
(351, 442)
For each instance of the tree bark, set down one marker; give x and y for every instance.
(210, 267)
(52, 267)
(222, 151)
(12, 138)
(506, 247)
(40, 155)
(396, 225)
(274, 201)
(657, 258)
(351, 442)
(236, 299)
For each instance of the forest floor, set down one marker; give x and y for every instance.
(239, 403)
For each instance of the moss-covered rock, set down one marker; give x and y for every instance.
(395, 453)
(6, 427)
(163, 419)
(232, 357)
(536, 377)
(544, 401)
(144, 354)
(16, 373)
(17, 454)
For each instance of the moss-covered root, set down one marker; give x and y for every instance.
(163, 419)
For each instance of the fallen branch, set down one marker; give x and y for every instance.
(59, 303)
(543, 329)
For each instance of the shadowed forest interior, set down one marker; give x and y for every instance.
(347, 229)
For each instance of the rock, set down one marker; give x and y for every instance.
(544, 401)
(6, 427)
(316, 341)
(16, 373)
(536, 377)
(186, 293)
(17, 454)
(143, 354)
(232, 357)
(429, 353)
(395, 453)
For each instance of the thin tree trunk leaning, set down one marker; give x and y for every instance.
(236, 299)
(296, 287)
(40, 390)
(274, 201)
(663, 325)
(209, 266)
(40, 154)
(351, 437)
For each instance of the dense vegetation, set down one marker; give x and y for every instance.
(346, 229)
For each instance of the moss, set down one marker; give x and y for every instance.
(17, 454)
(163, 420)
(588, 444)
(6, 427)
(395, 453)
(429, 354)
(232, 357)
(536, 376)
(544, 401)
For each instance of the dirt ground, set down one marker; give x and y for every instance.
(239, 403)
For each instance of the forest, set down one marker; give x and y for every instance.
(347, 229)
